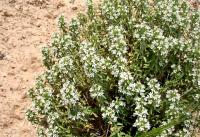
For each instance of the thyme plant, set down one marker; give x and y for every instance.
(128, 68)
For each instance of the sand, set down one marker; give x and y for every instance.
(25, 27)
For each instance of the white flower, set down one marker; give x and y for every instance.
(110, 112)
(96, 91)
(69, 94)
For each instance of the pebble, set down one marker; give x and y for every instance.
(74, 8)
(2, 56)
(7, 14)
(12, 1)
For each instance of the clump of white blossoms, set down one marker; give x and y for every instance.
(128, 68)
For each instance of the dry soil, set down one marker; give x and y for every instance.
(25, 27)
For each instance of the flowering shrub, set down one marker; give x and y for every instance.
(129, 68)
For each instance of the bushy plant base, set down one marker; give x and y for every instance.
(129, 68)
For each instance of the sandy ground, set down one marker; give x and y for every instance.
(25, 27)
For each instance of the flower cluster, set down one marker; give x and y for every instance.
(96, 91)
(114, 10)
(140, 110)
(118, 45)
(173, 12)
(92, 62)
(154, 97)
(118, 49)
(173, 111)
(126, 83)
(69, 94)
(129, 68)
(110, 112)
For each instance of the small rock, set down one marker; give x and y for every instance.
(2, 55)
(25, 9)
(5, 125)
(5, 39)
(16, 106)
(74, 8)
(11, 73)
(2, 90)
(24, 95)
(33, 60)
(4, 96)
(24, 69)
(7, 14)
(18, 7)
(15, 117)
(49, 16)
(12, 1)
(60, 5)
(72, 1)
(22, 38)
(38, 24)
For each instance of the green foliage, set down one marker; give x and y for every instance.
(129, 68)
